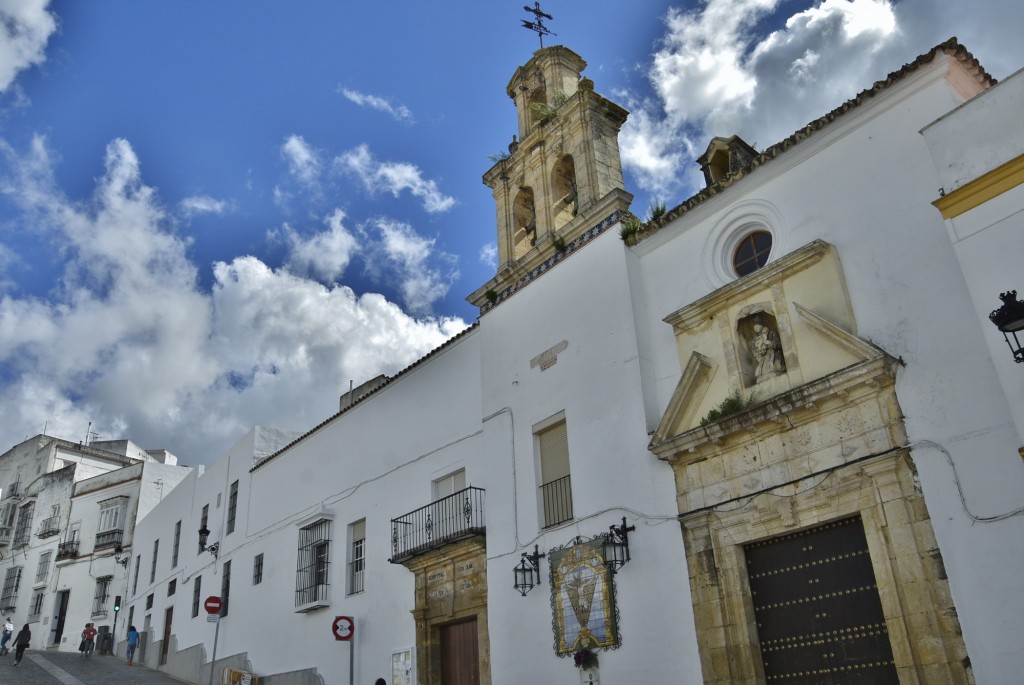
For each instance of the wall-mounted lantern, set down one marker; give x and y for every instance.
(527, 571)
(1010, 320)
(204, 535)
(616, 546)
(118, 559)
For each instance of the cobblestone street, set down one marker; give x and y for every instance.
(63, 668)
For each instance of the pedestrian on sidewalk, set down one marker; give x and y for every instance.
(21, 644)
(8, 633)
(133, 642)
(88, 641)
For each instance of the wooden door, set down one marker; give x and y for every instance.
(819, 616)
(460, 659)
(165, 645)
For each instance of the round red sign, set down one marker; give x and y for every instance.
(212, 604)
(344, 627)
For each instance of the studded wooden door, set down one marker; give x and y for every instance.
(819, 618)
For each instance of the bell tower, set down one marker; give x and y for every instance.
(562, 175)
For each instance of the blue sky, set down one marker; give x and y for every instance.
(217, 214)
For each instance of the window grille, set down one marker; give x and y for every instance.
(37, 606)
(135, 583)
(312, 578)
(203, 519)
(152, 567)
(225, 588)
(172, 587)
(556, 483)
(24, 526)
(149, 602)
(12, 580)
(257, 569)
(99, 600)
(43, 570)
(357, 561)
(232, 507)
(177, 543)
(197, 591)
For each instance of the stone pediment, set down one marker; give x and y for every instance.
(781, 338)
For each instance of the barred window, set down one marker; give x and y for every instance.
(225, 588)
(24, 527)
(556, 482)
(357, 558)
(203, 519)
(36, 610)
(149, 602)
(152, 567)
(177, 543)
(197, 591)
(232, 507)
(257, 569)
(313, 566)
(99, 600)
(43, 570)
(12, 580)
(138, 563)
(172, 587)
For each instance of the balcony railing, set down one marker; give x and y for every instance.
(557, 498)
(453, 518)
(13, 491)
(5, 535)
(67, 550)
(49, 527)
(108, 538)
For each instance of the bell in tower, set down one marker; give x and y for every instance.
(563, 174)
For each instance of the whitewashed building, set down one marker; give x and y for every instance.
(783, 395)
(68, 512)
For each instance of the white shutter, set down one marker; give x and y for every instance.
(450, 484)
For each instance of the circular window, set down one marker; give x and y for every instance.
(752, 252)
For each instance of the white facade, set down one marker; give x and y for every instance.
(585, 344)
(61, 554)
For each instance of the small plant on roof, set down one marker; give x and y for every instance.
(732, 404)
(629, 227)
(544, 112)
(491, 296)
(655, 211)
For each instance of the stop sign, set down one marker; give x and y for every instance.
(212, 604)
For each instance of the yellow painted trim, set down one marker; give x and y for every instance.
(982, 189)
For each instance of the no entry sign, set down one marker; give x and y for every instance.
(212, 604)
(344, 627)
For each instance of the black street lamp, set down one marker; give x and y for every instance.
(527, 571)
(616, 546)
(204, 535)
(1010, 320)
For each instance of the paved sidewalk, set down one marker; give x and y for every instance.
(40, 667)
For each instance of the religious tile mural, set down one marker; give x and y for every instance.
(582, 597)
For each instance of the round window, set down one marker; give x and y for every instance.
(752, 252)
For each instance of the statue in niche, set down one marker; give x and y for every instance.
(767, 352)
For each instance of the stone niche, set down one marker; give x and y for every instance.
(451, 586)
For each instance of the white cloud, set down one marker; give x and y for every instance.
(489, 255)
(424, 274)
(203, 204)
(324, 255)
(713, 75)
(25, 28)
(399, 112)
(393, 177)
(303, 160)
(129, 341)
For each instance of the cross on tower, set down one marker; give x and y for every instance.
(538, 23)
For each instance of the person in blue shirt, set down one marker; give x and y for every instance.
(133, 642)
